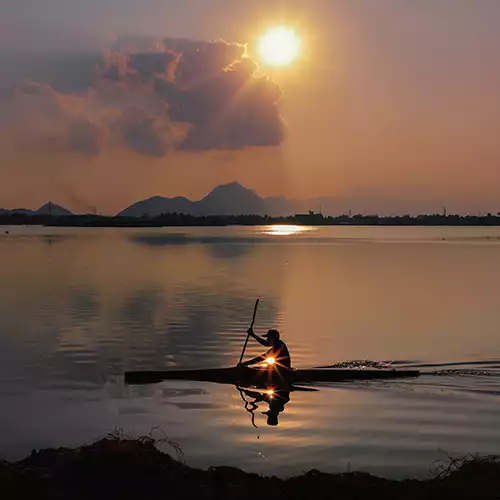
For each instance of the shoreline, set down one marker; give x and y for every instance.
(119, 467)
(186, 220)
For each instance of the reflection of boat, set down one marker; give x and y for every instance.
(244, 376)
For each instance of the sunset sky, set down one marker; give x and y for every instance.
(391, 104)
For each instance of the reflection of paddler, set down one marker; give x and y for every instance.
(275, 398)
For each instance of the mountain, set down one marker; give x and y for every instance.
(52, 209)
(16, 211)
(158, 205)
(232, 199)
(227, 199)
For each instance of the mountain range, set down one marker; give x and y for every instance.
(227, 199)
(235, 199)
(47, 209)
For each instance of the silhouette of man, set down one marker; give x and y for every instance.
(279, 350)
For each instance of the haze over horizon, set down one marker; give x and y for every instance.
(391, 103)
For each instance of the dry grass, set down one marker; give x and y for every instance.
(125, 468)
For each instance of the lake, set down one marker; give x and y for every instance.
(78, 307)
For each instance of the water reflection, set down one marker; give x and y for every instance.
(80, 307)
(220, 247)
(275, 398)
(285, 230)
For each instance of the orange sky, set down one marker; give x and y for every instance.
(390, 101)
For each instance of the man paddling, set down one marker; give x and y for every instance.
(278, 352)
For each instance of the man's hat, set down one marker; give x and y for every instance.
(273, 334)
(272, 417)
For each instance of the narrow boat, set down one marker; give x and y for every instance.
(244, 376)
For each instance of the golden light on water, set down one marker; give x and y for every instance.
(279, 46)
(285, 230)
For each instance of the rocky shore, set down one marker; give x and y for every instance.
(116, 467)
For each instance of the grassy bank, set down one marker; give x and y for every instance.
(116, 467)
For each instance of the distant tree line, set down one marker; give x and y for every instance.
(177, 219)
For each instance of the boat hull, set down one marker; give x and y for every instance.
(262, 377)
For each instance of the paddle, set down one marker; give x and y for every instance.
(248, 335)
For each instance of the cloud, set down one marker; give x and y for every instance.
(47, 120)
(148, 65)
(169, 95)
(232, 109)
(145, 133)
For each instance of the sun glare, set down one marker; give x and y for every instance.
(279, 46)
(285, 230)
(270, 361)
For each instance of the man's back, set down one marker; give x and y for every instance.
(280, 353)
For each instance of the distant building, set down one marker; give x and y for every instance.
(310, 218)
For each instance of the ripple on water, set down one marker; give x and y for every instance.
(77, 312)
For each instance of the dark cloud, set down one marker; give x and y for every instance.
(146, 134)
(149, 65)
(202, 62)
(170, 95)
(114, 66)
(69, 75)
(233, 110)
(229, 106)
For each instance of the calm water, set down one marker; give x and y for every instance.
(79, 307)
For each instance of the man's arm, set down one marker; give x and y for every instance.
(254, 394)
(254, 361)
(260, 340)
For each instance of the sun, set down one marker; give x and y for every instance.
(279, 46)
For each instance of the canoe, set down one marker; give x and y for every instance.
(245, 376)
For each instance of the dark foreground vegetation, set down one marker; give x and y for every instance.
(121, 468)
(175, 219)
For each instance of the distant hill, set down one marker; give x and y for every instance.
(53, 209)
(47, 209)
(230, 199)
(159, 205)
(227, 199)
(20, 211)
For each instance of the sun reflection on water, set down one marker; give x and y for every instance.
(285, 230)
